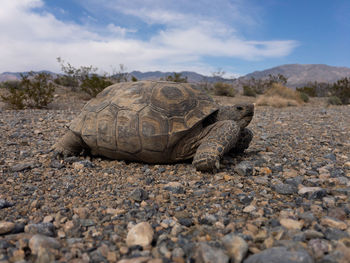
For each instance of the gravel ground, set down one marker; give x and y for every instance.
(286, 199)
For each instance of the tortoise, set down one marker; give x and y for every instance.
(158, 122)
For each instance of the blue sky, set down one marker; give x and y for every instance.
(237, 36)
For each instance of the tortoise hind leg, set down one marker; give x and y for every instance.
(69, 144)
(221, 139)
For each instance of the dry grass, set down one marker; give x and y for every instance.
(279, 96)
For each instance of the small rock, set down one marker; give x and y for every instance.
(135, 260)
(174, 187)
(333, 222)
(335, 234)
(285, 189)
(138, 195)
(236, 247)
(312, 192)
(46, 229)
(38, 242)
(291, 223)
(319, 247)
(208, 254)
(249, 209)
(56, 164)
(185, 221)
(140, 234)
(78, 165)
(82, 212)
(280, 254)
(330, 156)
(244, 168)
(21, 167)
(6, 227)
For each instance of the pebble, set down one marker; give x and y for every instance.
(244, 168)
(312, 192)
(333, 222)
(249, 209)
(285, 189)
(6, 227)
(174, 187)
(208, 254)
(280, 254)
(291, 223)
(40, 242)
(236, 247)
(140, 234)
(46, 229)
(138, 194)
(21, 167)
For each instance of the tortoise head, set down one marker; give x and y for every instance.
(241, 113)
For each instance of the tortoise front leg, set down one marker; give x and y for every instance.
(69, 144)
(220, 140)
(245, 137)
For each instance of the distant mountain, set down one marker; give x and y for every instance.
(156, 75)
(12, 76)
(301, 74)
(297, 74)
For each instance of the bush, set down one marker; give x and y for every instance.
(34, 90)
(248, 91)
(94, 84)
(310, 91)
(67, 81)
(280, 96)
(304, 96)
(341, 89)
(176, 77)
(16, 95)
(224, 89)
(334, 100)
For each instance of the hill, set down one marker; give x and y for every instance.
(300, 74)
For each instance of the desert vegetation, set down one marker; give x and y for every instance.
(32, 91)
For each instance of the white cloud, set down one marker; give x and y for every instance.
(32, 40)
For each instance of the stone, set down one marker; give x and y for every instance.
(207, 254)
(46, 229)
(174, 187)
(140, 234)
(6, 227)
(249, 209)
(244, 168)
(312, 192)
(138, 195)
(319, 247)
(285, 189)
(21, 167)
(333, 222)
(236, 247)
(135, 260)
(335, 234)
(291, 223)
(40, 242)
(280, 254)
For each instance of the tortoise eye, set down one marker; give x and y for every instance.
(239, 108)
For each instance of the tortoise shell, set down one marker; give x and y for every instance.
(141, 120)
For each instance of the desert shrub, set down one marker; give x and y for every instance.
(304, 97)
(224, 89)
(280, 96)
(308, 90)
(249, 91)
(15, 94)
(176, 77)
(34, 90)
(134, 79)
(94, 84)
(67, 81)
(341, 89)
(334, 100)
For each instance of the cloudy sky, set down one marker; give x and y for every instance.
(237, 36)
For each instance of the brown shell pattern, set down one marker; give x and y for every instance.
(141, 117)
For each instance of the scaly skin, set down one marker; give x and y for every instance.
(70, 144)
(245, 137)
(220, 140)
